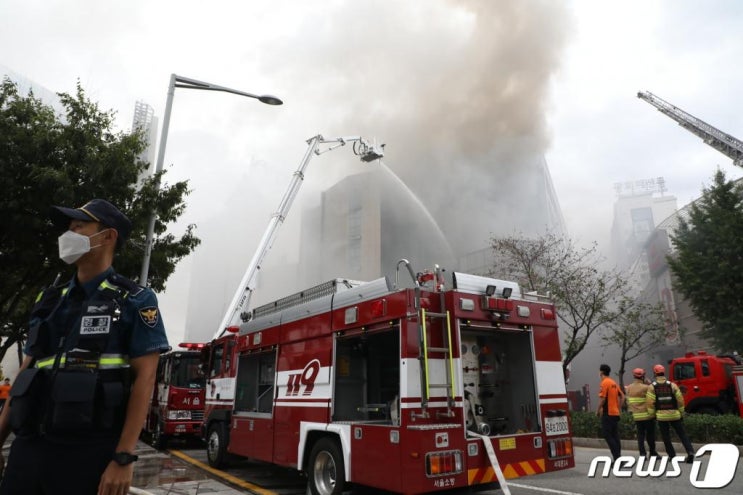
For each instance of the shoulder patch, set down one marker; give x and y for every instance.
(149, 315)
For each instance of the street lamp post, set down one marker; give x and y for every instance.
(183, 82)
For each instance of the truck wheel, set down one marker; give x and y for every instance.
(159, 439)
(216, 445)
(326, 470)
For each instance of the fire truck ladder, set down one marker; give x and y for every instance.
(719, 140)
(426, 352)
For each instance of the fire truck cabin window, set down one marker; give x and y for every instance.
(705, 367)
(683, 371)
(216, 368)
(186, 372)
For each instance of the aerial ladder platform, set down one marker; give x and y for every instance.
(723, 142)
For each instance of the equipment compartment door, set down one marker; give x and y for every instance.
(498, 371)
(367, 375)
(375, 456)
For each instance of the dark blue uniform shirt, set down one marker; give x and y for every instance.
(141, 325)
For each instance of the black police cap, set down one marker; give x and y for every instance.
(95, 210)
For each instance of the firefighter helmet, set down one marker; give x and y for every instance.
(638, 373)
(659, 369)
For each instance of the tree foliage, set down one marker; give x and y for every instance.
(708, 262)
(585, 296)
(638, 328)
(48, 159)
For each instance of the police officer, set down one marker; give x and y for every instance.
(664, 399)
(78, 404)
(637, 403)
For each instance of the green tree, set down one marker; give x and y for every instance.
(638, 328)
(584, 295)
(708, 261)
(48, 159)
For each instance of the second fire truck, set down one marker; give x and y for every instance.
(177, 403)
(411, 390)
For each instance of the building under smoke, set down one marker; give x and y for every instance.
(364, 225)
(640, 206)
(528, 206)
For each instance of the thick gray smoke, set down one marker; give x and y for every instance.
(459, 92)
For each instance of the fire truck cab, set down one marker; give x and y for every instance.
(411, 390)
(706, 380)
(177, 405)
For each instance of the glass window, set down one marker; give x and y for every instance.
(186, 372)
(216, 368)
(705, 367)
(255, 382)
(683, 371)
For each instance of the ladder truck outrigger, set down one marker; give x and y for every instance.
(723, 142)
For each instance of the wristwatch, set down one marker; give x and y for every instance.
(124, 458)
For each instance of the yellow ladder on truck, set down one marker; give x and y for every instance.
(426, 352)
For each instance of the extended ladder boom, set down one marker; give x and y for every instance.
(719, 140)
(366, 151)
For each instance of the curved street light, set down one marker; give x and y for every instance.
(188, 83)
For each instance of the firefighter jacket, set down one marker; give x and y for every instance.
(81, 339)
(637, 401)
(664, 399)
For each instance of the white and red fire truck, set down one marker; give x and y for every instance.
(177, 405)
(411, 390)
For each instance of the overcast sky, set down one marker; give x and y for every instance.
(434, 79)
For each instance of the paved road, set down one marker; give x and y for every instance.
(183, 471)
(575, 481)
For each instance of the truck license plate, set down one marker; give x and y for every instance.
(556, 426)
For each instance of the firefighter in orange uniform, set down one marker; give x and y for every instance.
(611, 399)
(664, 399)
(644, 421)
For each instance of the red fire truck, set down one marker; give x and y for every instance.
(411, 390)
(707, 382)
(177, 406)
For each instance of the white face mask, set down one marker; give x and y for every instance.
(73, 245)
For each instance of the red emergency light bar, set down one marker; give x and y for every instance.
(698, 353)
(233, 329)
(191, 345)
(496, 304)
